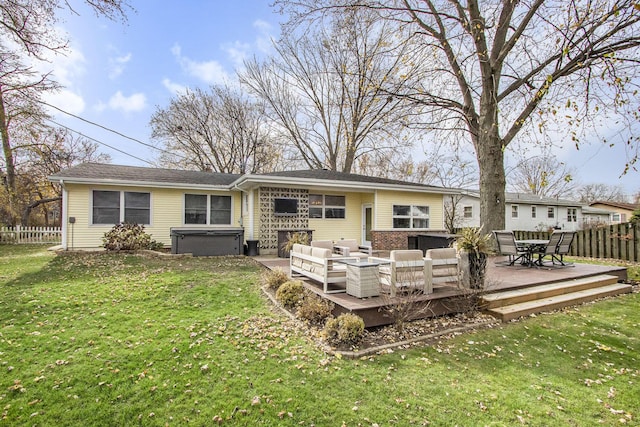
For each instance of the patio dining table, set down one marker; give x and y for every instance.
(532, 247)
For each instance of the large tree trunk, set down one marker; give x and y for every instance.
(9, 161)
(490, 154)
(492, 183)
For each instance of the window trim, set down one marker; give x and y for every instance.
(411, 217)
(208, 210)
(121, 208)
(572, 214)
(515, 211)
(468, 208)
(551, 212)
(534, 212)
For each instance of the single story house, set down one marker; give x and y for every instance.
(332, 205)
(620, 212)
(530, 212)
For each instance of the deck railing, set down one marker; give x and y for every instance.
(618, 241)
(21, 234)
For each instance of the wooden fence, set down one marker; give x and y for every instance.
(619, 241)
(21, 234)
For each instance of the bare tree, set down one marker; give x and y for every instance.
(57, 149)
(221, 130)
(590, 193)
(27, 32)
(451, 169)
(497, 67)
(21, 120)
(329, 91)
(543, 176)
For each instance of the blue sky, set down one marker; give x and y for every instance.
(116, 74)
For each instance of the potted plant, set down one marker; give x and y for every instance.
(477, 245)
(292, 238)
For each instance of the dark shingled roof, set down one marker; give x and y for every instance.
(340, 176)
(619, 205)
(108, 172)
(132, 174)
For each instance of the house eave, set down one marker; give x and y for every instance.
(250, 182)
(153, 184)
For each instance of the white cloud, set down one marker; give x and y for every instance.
(66, 100)
(238, 52)
(172, 87)
(264, 39)
(117, 65)
(128, 104)
(208, 71)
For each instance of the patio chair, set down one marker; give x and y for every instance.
(407, 269)
(445, 265)
(563, 248)
(325, 244)
(351, 248)
(551, 249)
(506, 242)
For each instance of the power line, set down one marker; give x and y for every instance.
(105, 128)
(99, 142)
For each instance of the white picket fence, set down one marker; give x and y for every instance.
(21, 234)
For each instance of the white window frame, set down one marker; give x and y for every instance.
(324, 206)
(572, 214)
(122, 207)
(514, 211)
(208, 210)
(551, 212)
(467, 212)
(533, 212)
(413, 209)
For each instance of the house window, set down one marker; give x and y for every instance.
(616, 217)
(327, 206)
(514, 211)
(468, 211)
(409, 216)
(207, 209)
(113, 207)
(572, 214)
(551, 212)
(533, 211)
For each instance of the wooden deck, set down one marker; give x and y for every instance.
(450, 299)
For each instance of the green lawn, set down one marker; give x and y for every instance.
(97, 339)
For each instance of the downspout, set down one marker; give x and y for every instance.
(64, 223)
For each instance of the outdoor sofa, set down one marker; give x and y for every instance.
(318, 264)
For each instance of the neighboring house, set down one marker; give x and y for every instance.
(620, 212)
(592, 217)
(527, 212)
(376, 211)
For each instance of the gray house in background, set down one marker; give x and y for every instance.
(531, 212)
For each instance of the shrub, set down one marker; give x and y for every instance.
(314, 310)
(347, 328)
(290, 293)
(128, 237)
(273, 279)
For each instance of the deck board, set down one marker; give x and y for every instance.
(498, 278)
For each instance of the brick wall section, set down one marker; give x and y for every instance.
(390, 240)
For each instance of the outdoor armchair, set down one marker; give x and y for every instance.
(563, 248)
(552, 247)
(351, 248)
(406, 269)
(506, 242)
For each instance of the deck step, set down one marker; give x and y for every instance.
(504, 298)
(513, 311)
